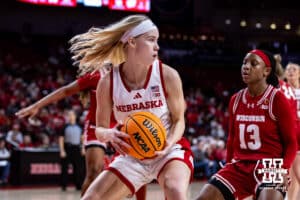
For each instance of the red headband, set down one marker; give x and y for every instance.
(263, 56)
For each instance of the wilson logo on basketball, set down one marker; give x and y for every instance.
(147, 134)
(152, 130)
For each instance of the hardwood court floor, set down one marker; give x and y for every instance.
(55, 193)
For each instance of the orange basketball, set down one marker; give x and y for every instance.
(147, 134)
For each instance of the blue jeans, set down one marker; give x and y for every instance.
(209, 167)
(4, 172)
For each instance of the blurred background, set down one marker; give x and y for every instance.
(205, 40)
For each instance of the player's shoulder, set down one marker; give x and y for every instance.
(279, 99)
(168, 67)
(238, 94)
(278, 94)
(105, 80)
(169, 73)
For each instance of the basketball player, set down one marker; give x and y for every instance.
(292, 75)
(160, 91)
(94, 150)
(262, 125)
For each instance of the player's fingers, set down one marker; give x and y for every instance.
(160, 153)
(25, 113)
(118, 126)
(118, 149)
(20, 113)
(122, 143)
(122, 134)
(289, 180)
(126, 145)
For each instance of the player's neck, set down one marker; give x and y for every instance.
(257, 89)
(134, 75)
(295, 84)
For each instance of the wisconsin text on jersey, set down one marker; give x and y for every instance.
(139, 106)
(250, 118)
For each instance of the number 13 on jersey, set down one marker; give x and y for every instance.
(250, 131)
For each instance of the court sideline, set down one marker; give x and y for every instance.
(55, 193)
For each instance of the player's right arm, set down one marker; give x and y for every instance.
(229, 145)
(65, 91)
(103, 113)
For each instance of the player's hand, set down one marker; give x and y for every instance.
(83, 152)
(286, 182)
(63, 154)
(119, 142)
(27, 111)
(115, 137)
(166, 149)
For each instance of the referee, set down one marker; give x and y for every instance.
(70, 151)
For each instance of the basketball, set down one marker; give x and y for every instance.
(147, 134)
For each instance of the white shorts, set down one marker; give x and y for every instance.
(136, 173)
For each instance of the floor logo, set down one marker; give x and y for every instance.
(272, 171)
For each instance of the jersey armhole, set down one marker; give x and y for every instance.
(162, 79)
(111, 92)
(236, 101)
(271, 104)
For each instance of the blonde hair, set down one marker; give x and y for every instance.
(297, 66)
(292, 63)
(298, 70)
(91, 49)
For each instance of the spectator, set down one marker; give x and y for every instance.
(27, 142)
(220, 152)
(4, 120)
(45, 141)
(4, 162)
(204, 166)
(14, 136)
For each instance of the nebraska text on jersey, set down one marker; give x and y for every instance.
(250, 118)
(139, 106)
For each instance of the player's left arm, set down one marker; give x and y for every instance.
(287, 126)
(176, 103)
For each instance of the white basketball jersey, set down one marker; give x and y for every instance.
(150, 98)
(297, 95)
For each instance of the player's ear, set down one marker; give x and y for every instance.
(267, 71)
(131, 42)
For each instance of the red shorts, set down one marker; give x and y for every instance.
(90, 137)
(239, 178)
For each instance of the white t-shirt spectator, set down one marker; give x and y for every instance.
(14, 137)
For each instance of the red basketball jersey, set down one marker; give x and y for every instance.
(89, 82)
(297, 96)
(257, 126)
(289, 94)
